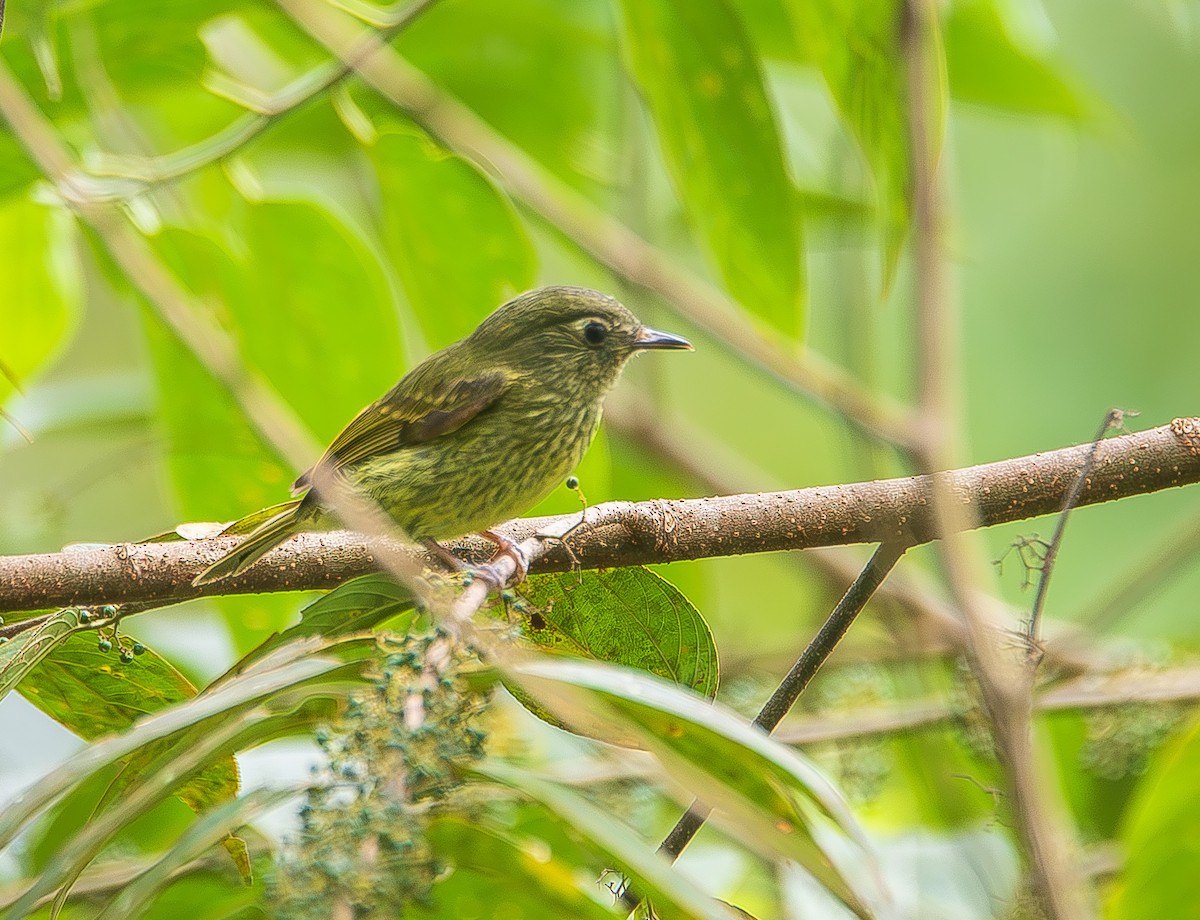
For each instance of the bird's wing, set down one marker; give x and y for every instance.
(411, 414)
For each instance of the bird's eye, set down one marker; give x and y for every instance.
(595, 333)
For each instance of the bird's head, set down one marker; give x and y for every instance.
(553, 332)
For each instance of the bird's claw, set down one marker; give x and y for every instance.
(505, 547)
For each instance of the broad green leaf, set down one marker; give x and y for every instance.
(508, 874)
(671, 894)
(628, 616)
(76, 854)
(40, 288)
(856, 44)
(22, 653)
(94, 693)
(542, 72)
(771, 793)
(453, 239)
(703, 83)
(985, 65)
(1158, 838)
(291, 668)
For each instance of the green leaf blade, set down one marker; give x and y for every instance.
(629, 616)
(703, 83)
(452, 237)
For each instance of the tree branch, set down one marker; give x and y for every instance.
(626, 533)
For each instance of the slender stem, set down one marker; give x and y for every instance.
(785, 695)
(1005, 685)
(1111, 419)
(830, 634)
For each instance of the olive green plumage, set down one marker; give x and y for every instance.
(480, 431)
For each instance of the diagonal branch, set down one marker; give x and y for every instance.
(626, 533)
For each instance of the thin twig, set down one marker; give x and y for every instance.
(797, 679)
(1112, 419)
(144, 173)
(1005, 686)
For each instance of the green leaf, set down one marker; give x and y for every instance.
(671, 894)
(771, 793)
(210, 829)
(21, 654)
(856, 44)
(357, 605)
(542, 72)
(987, 66)
(452, 237)
(40, 288)
(93, 693)
(1158, 838)
(291, 668)
(628, 616)
(703, 83)
(495, 868)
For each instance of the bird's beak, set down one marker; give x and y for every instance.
(651, 338)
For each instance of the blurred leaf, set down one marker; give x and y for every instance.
(75, 854)
(453, 239)
(703, 84)
(93, 694)
(358, 605)
(310, 303)
(654, 878)
(769, 790)
(1159, 840)
(628, 616)
(132, 898)
(543, 72)
(856, 44)
(314, 307)
(769, 27)
(986, 66)
(40, 288)
(512, 876)
(292, 668)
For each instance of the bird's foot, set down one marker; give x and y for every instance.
(506, 547)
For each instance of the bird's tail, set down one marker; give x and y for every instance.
(267, 529)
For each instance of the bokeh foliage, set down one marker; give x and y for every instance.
(762, 147)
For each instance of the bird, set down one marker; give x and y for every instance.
(475, 434)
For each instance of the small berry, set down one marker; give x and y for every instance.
(104, 645)
(572, 482)
(126, 656)
(109, 610)
(139, 649)
(85, 615)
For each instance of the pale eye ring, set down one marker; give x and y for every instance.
(594, 333)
